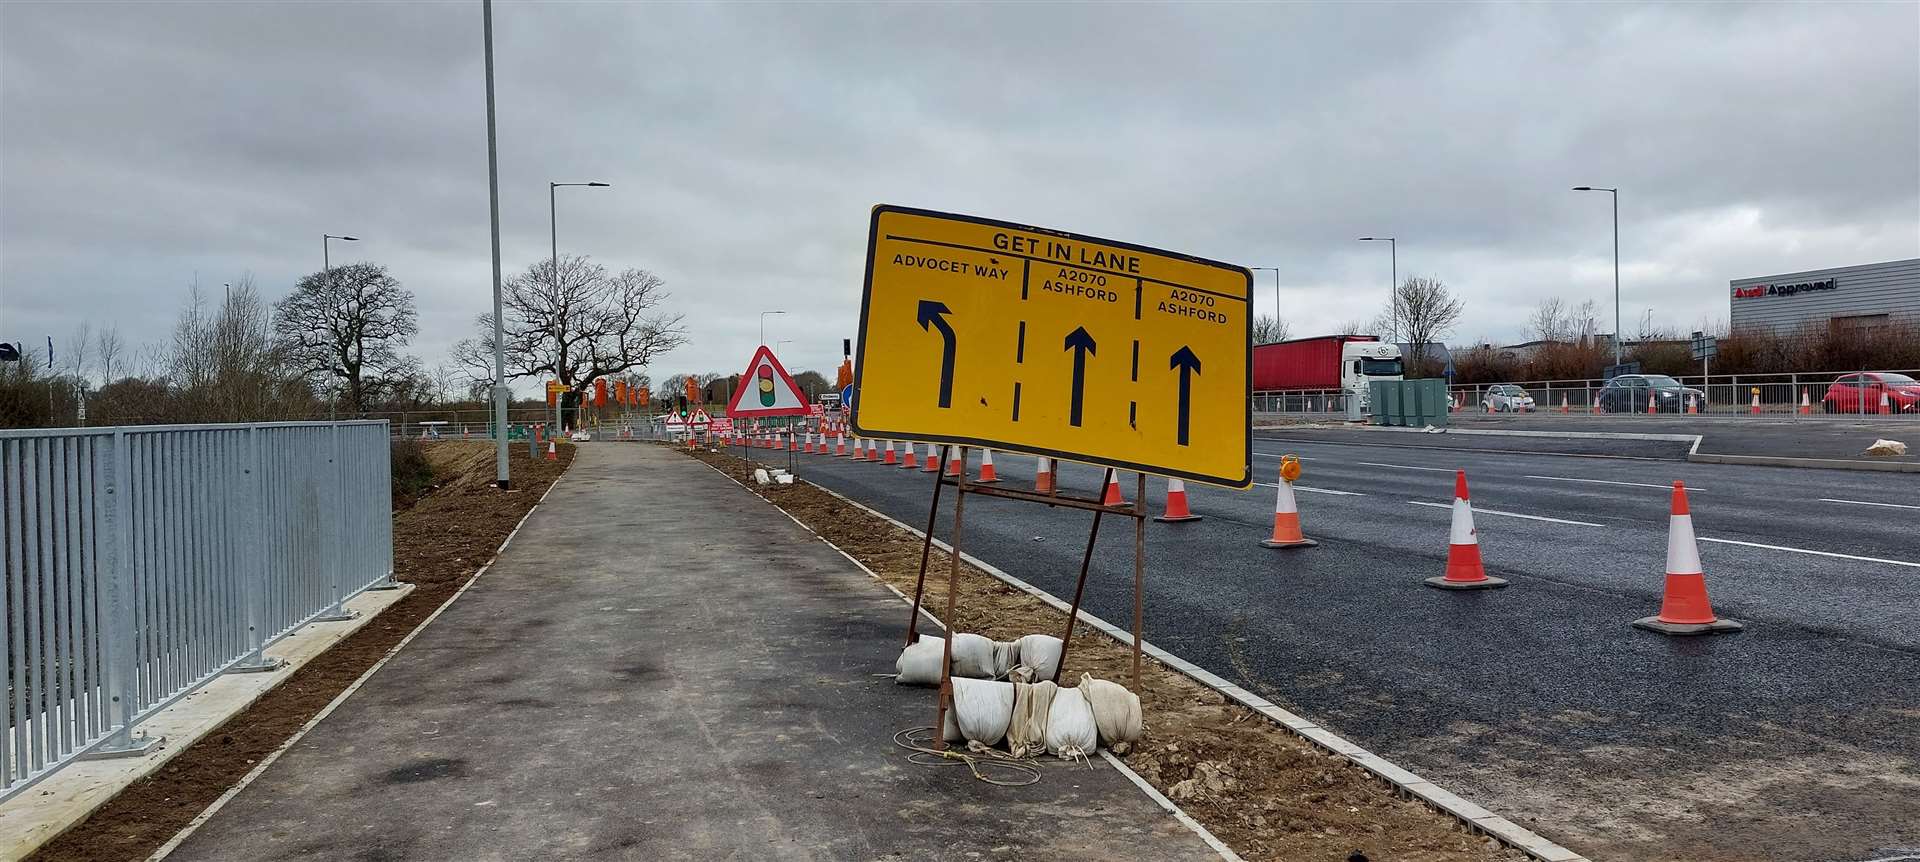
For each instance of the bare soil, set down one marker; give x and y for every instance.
(439, 542)
(1265, 792)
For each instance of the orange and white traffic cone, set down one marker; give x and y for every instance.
(1806, 406)
(793, 442)
(1286, 520)
(1652, 408)
(890, 459)
(956, 462)
(1043, 476)
(909, 461)
(1564, 408)
(554, 454)
(1464, 571)
(1113, 496)
(986, 468)
(1886, 406)
(1176, 504)
(932, 464)
(1754, 408)
(1684, 610)
(840, 446)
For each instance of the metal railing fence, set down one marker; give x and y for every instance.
(142, 561)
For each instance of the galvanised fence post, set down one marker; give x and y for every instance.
(253, 562)
(333, 515)
(120, 630)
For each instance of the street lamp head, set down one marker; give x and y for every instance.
(348, 238)
(600, 185)
(1366, 239)
(1583, 188)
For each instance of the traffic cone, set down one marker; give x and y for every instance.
(890, 459)
(1113, 497)
(954, 465)
(1684, 610)
(986, 468)
(1806, 406)
(1886, 406)
(1755, 407)
(909, 461)
(1564, 408)
(1286, 520)
(554, 454)
(1177, 503)
(793, 442)
(1464, 571)
(1651, 407)
(840, 446)
(1692, 405)
(1043, 476)
(932, 464)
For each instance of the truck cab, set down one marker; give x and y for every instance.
(1365, 361)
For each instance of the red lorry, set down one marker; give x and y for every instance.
(1343, 362)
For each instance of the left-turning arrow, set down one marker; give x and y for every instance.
(932, 314)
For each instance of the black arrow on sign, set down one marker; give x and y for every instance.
(1081, 344)
(931, 313)
(1189, 365)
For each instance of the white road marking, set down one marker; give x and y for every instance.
(1690, 488)
(1866, 503)
(1479, 511)
(1313, 490)
(1817, 553)
(1406, 467)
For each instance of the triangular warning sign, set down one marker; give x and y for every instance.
(766, 389)
(700, 419)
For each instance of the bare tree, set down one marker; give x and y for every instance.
(224, 366)
(1267, 330)
(584, 325)
(1428, 310)
(111, 349)
(80, 353)
(1550, 320)
(1351, 327)
(345, 326)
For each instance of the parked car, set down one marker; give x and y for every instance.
(1507, 398)
(1860, 393)
(580, 437)
(1629, 393)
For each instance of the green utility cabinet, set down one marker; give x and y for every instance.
(1409, 403)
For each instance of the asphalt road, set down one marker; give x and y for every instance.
(1539, 700)
(1789, 436)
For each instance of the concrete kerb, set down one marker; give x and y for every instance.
(214, 808)
(1226, 853)
(1478, 819)
(1813, 463)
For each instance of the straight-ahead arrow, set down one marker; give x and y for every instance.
(1081, 344)
(1189, 365)
(932, 313)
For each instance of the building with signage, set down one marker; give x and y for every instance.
(1848, 297)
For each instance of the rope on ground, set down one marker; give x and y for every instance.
(918, 740)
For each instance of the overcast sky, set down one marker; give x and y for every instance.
(142, 144)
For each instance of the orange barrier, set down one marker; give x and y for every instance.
(1684, 609)
(1177, 503)
(1464, 570)
(986, 468)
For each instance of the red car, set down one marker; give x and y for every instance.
(1860, 393)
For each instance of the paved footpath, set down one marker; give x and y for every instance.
(661, 666)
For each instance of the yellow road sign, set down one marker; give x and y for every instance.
(987, 333)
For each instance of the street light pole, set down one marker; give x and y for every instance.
(500, 474)
(1616, 263)
(1393, 290)
(763, 325)
(553, 235)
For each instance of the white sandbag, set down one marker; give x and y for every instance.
(1116, 711)
(1070, 729)
(919, 663)
(972, 656)
(983, 707)
(1039, 655)
(1887, 447)
(1027, 731)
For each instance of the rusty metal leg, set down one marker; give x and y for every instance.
(953, 592)
(1080, 586)
(926, 547)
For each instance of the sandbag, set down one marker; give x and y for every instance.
(1027, 731)
(1005, 654)
(1116, 711)
(983, 708)
(1070, 729)
(972, 656)
(919, 663)
(1887, 447)
(1038, 655)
